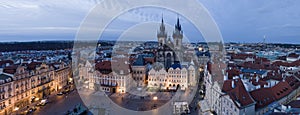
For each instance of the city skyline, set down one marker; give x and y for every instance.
(238, 22)
(171, 57)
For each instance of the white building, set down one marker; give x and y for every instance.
(177, 76)
(112, 76)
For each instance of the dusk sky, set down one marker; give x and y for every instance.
(238, 21)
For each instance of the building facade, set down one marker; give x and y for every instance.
(23, 84)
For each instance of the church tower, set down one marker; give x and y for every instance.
(161, 34)
(161, 37)
(177, 37)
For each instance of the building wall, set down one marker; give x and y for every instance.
(139, 75)
(192, 79)
(111, 82)
(168, 80)
(29, 85)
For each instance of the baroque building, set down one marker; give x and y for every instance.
(177, 76)
(25, 83)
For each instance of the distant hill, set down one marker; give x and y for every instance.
(41, 45)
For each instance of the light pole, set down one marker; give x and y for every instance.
(154, 99)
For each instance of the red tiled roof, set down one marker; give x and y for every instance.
(263, 97)
(33, 65)
(233, 72)
(262, 60)
(105, 65)
(242, 56)
(293, 82)
(293, 55)
(270, 95)
(149, 60)
(239, 93)
(295, 104)
(260, 82)
(117, 65)
(10, 69)
(281, 89)
(287, 64)
(5, 62)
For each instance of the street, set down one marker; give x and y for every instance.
(57, 104)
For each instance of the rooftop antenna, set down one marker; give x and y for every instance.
(264, 41)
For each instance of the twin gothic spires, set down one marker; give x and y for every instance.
(177, 25)
(177, 35)
(162, 32)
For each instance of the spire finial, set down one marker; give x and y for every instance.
(162, 18)
(178, 26)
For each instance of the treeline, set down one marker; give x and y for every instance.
(41, 45)
(287, 45)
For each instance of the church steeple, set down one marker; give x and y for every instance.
(161, 34)
(162, 25)
(177, 36)
(162, 18)
(178, 26)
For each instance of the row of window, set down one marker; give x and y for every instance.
(137, 72)
(165, 80)
(111, 77)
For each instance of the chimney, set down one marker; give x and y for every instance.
(258, 87)
(225, 77)
(232, 84)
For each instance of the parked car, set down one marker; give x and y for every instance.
(60, 93)
(32, 109)
(43, 102)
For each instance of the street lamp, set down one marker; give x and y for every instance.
(70, 80)
(16, 108)
(155, 98)
(200, 69)
(200, 49)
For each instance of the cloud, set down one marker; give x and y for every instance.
(246, 20)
